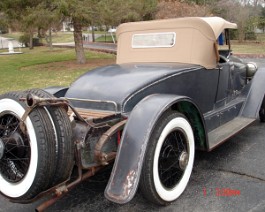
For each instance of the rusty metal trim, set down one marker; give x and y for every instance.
(61, 191)
(100, 156)
(96, 101)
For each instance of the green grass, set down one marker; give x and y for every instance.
(105, 38)
(261, 37)
(42, 67)
(249, 48)
(14, 35)
(62, 37)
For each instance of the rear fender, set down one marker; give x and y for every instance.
(127, 168)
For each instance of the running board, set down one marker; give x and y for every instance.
(226, 131)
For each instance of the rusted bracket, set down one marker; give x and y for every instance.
(59, 192)
(101, 156)
(33, 101)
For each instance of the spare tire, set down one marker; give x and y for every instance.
(64, 143)
(27, 156)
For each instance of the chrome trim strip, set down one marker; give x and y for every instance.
(95, 101)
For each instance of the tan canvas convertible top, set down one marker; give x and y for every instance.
(193, 40)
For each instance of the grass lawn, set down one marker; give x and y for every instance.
(62, 37)
(105, 38)
(14, 35)
(41, 67)
(249, 48)
(261, 37)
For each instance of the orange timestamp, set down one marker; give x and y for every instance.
(221, 192)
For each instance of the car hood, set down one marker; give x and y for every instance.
(117, 83)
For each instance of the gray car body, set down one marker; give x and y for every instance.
(209, 98)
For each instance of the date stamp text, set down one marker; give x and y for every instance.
(221, 192)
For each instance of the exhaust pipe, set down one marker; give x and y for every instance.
(32, 100)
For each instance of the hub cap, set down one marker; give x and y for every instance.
(183, 160)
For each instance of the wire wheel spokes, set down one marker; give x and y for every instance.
(15, 159)
(170, 162)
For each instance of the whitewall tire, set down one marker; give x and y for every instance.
(169, 159)
(26, 165)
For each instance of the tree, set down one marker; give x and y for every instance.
(176, 8)
(38, 15)
(29, 15)
(112, 12)
(141, 10)
(19, 12)
(261, 22)
(81, 14)
(242, 12)
(115, 12)
(3, 23)
(47, 19)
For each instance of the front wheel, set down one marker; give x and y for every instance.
(169, 159)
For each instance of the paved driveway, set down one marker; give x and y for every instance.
(238, 164)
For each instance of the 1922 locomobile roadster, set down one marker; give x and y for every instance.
(173, 90)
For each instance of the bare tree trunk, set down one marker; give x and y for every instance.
(80, 54)
(30, 40)
(93, 34)
(50, 38)
(241, 33)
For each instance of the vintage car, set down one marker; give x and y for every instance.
(176, 87)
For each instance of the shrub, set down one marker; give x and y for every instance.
(250, 36)
(24, 39)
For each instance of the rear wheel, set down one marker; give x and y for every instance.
(26, 156)
(169, 159)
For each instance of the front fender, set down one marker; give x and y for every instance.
(255, 95)
(126, 171)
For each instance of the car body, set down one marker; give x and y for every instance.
(172, 90)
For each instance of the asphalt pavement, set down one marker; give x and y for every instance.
(97, 46)
(236, 166)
